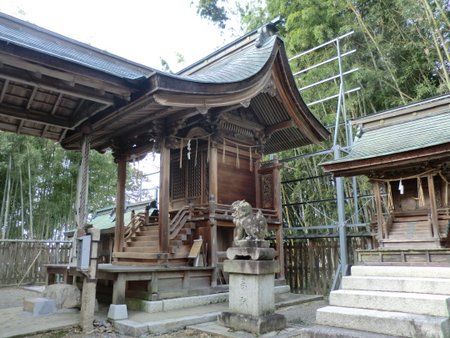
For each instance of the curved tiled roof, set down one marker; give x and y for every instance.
(402, 137)
(41, 40)
(237, 67)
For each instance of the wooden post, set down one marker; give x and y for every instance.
(213, 191)
(119, 287)
(277, 205)
(120, 203)
(89, 281)
(379, 210)
(164, 180)
(258, 184)
(433, 207)
(276, 179)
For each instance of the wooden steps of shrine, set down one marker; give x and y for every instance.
(423, 243)
(141, 255)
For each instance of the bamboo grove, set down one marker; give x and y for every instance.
(38, 186)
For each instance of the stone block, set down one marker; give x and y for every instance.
(186, 302)
(401, 271)
(66, 296)
(418, 303)
(439, 286)
(117, 312)
(252, 253)
(384, 322)
(252, 294)
(258, 325)
(39, 306)
(251, 267)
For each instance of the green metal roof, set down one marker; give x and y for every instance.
(106, 218)
(400, 137)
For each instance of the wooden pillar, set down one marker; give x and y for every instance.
(379, 210)
(258, 184)
(120, 203)
(277, 205)
(276, 179)
(433, 207)
(89, 280)
(119, 287)
(164, 180)
(83, 184)
(213, 191)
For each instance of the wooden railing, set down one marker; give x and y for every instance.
(186, 214)
(178, 221)
(135, 222)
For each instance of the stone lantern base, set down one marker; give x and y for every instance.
(254, 324)
(251, 297)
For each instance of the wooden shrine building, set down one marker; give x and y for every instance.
(405, 153)
(211, 123)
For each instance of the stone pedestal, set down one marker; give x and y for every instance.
(251, 296)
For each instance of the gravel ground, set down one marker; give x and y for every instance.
(13, 297)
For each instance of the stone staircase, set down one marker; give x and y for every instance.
(403, 301)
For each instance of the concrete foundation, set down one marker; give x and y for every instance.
(117, 312)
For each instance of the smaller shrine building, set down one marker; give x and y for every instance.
(405, 153)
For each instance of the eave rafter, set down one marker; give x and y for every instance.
(20, 76)
(33, 116)
(69, 78)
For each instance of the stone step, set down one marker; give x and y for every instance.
(418, 303)
(401, 271)
(384, 322)
(397, 284)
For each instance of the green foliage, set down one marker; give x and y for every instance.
(52, 181)
(212, 10)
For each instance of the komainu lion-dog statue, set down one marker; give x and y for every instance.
(248, 226)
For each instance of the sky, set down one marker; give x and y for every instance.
(140, 30)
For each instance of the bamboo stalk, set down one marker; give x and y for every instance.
(377, 47)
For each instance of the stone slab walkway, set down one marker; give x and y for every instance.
(298, 309)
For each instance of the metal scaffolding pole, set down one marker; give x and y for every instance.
(339, 181)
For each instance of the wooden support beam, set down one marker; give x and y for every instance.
(277, 205)
(83, 184)
(164, 186)
(34, 116)
(120, 203)
(119, 288)
(279, 126)
(433, 207)
(378, 207)
(213, 191)
(258, 184)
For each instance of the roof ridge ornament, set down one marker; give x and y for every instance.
(265, 32)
